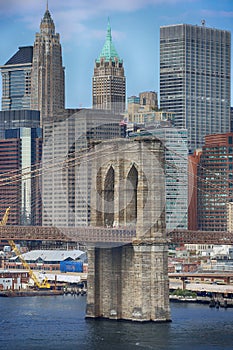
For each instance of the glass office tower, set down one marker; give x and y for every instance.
(195, 79)
(16, 80)
(176, 172)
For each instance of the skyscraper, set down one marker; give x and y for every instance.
(195, 79)
(16, 80)
(108, 82)
(176, 174)
(48, 90)
(20, 118)
(66, 189)
(215, 182)
(20, 153)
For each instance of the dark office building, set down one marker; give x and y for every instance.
(20, 156)
(16, 80)
(231, 118)
(10, 191)
(18, 119)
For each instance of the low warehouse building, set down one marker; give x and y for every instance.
(50, 260)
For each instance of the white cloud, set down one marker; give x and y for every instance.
(19, 7)
(84, 9)
(72, 17)
(223, 14)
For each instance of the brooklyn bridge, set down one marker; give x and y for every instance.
(128, 263)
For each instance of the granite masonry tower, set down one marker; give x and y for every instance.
(130, 281)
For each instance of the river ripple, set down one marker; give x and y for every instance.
(31, 323)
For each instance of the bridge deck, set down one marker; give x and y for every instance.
(91, 234)
(76, 234)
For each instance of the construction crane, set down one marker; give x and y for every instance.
(5, 217)
(41, 285)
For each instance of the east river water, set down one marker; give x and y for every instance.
(59, 323)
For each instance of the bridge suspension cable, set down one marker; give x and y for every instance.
(73, 159)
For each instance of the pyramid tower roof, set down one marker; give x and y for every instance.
(22, 56)
(108, 51)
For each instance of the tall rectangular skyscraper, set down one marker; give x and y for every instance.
(20, 153)
(67, 181)
(195, 71)
(214, 182)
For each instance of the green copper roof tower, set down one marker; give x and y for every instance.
(109, 82)
(108, 52)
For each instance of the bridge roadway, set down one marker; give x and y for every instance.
(91, 234)
(83, 234)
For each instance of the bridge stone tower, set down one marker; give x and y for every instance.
(130, 281)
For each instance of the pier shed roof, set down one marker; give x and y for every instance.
(52, 255)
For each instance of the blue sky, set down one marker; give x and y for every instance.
(82, 26)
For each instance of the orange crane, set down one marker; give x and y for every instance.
(41, 285)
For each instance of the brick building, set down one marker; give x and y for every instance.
(20, 153)
(215, 182)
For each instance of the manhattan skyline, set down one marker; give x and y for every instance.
(83, 26)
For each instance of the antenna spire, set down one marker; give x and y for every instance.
(47, 5)
(109, 34)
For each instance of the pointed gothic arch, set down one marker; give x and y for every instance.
(131, 195)
(109, 183)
